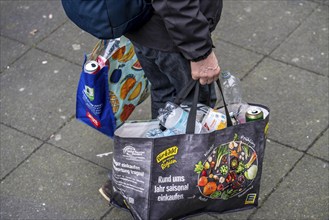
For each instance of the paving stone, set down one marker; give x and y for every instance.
(90, 144)
(202, 216)
(326, 2)
(236, 60)
(118, 214)
(53, 184)
(321, 147)
(10, 51)
(15, 147)
(261, 25)
(30, 21)
(302, 195)
(308, 46)
(86, 142)
(70, 42)
(38, 93)
(142, 111)
(298, 101)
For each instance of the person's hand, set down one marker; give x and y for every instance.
(207, 70)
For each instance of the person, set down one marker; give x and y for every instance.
(174, 47)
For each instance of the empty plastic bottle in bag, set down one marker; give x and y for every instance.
(173, 117)
(157, 132)
(232, 91)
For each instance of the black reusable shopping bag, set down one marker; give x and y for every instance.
(188, 174)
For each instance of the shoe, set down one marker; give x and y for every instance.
(105, 190)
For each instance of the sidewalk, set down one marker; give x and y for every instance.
(50, 163)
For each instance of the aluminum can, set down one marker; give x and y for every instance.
(254, 114)
(91, 67)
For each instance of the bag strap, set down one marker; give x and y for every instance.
(192, 115)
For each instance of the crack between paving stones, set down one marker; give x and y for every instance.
(289, 171)
(50, 33)
(274, 188)
(299, 67)
(57, 56)
(23, 132)
(15, 60)
(35, 46)
(301, 151)
(23, 161)
(286, 38)
(36, 149)
(76, 155)
(319, 3)
(106, 213)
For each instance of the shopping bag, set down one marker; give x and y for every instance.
(111, 85)
(176, 176)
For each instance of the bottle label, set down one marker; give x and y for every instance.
(214, 120)
(182, 122)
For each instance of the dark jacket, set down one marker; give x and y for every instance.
(180, 25)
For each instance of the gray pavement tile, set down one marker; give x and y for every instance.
(14, 147)
(86, 142)
(297, 98)
(261, 25)
(302, 195)
(237, 60)
(326, 2)
(278, 161)
(207, 216)
(308, 46)
(53, 184)
(118, 214)
(10, 51)
(142, 111)
(90, 144)
(321, 147)
(70, 42)
(38, 93)
(30, 21)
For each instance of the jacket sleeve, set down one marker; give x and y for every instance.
(187, 26)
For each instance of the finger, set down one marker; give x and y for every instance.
(203, 81)
(210, 80)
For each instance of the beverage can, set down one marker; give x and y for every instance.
(254, 114)
(214, 120)
(91, 67)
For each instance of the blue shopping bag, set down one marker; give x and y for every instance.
(93, 106)
(112, 83)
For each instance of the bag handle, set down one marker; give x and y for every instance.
(192, 115)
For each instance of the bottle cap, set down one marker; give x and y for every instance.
(225, 74)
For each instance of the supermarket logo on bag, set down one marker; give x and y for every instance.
(250, 199)
(130, 153)
(89, 93)
(167, 157)
(93, 120)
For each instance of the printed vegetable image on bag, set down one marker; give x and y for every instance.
(171, 177)
(111, 85)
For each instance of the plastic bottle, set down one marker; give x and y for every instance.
(232, 92)
(175, 118)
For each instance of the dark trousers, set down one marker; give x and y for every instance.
(168, 73)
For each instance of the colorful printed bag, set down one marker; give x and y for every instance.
(176, 176)
(111, 85)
